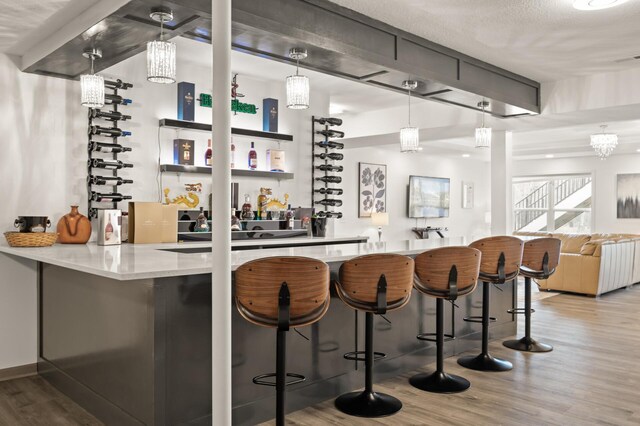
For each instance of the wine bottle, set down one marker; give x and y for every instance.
(107, 131)
(208, 154)
(330, 144)
(99, 163)
(253, 158)
(329, 168)
(330, 202)
(336, 191)
(107, 180)
(107, 147)
(118, 84)
(116, 100)
(113, 197)
(329, 120)
(233, 155)
(329, 214)
(330, 179)
(331, 133)
(330, 156)
(108, 115)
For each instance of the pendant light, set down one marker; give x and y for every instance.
(92, 85)
(297, 85)
(161, 54)
(483, 134)
(409, 136)
(604, 143)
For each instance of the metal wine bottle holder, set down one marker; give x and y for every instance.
(94, 206)
(320, 125)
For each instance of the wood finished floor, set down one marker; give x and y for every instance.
(591, 377)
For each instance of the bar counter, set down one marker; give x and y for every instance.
(125, 331)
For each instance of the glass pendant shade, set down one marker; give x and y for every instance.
(483, 137)
(92, 91)
(161, 61)
(297, 92)
(409, 139)
(604, 143)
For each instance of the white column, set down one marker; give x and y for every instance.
(501, 203)
(221, 213)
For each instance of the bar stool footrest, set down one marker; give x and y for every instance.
(431, 337)
(478, 319)
(520, 311)
(359, 356)
(259, 380)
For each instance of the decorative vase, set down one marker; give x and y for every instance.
(74, 228)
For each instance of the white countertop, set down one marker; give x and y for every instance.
(142, 261)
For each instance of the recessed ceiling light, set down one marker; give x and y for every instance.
(638, 150)
(466, 155)
(596, 4)
(549, 156)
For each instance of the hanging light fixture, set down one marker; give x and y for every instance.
(297, 85)
(604, 143)
(483, 134)
(92, 85)
(161, 54)
(409, 136)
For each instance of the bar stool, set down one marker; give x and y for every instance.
(374, 284)
(539, 261)
(501, 259)
(444, 273)
(282, 292)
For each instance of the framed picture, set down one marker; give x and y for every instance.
(372, 189)
(628, 196)
(467, 195)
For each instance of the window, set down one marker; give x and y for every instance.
(553, 204)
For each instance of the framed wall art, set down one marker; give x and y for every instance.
(372, 189)
(628, 196)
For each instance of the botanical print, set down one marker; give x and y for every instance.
(372, 189)
(629, 196)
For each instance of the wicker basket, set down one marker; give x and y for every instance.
(31, 239)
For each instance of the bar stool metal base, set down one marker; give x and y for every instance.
(485, 362)
(527, 345)
(368, 404)
(439, 382)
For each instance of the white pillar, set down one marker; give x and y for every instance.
(501, 203)
(221, 213)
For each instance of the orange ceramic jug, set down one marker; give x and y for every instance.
(74, 228)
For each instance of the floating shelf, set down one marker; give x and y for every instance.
(192, 125)
(177, 168)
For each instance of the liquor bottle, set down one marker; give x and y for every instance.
(107, 131)
(107, 180)
(330, 121)
(233, 155)
(247, 211)
(116, 100)
(330, 156)
(118, 84)
(330, 144)
(113, 197)
(330, 202)
(330, 133)
(331, 191)
(330, 179)
(99, 163)
(289, 216)
(107, 147)
(108, 230)
(202, 224)
(108, 115)
(329, 168)
(208, 154)
(253, 158)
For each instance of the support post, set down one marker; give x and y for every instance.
(501, 205)
(221, 224)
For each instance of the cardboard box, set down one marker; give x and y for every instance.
(183, 151)
(109, 229)
(270, 115)
(186, 101)
(152, 223)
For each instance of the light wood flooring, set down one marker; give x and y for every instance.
(591, 377)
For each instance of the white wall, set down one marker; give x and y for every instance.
(604, 193)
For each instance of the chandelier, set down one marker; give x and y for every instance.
(92, 85)
(297, 85)
(604, 143)
(161, 54)
(409, 136)
(483, 134)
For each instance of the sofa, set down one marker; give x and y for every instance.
(593, 264)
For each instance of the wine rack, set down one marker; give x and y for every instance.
(324, 171)
(103, 147)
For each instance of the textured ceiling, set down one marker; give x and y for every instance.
(20, 17)
(541, 39)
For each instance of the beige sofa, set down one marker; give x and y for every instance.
(594, 264)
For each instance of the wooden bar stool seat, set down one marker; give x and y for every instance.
(446, 274)
(374, 284)
(282, 292)
(501, 260)
(540, 259)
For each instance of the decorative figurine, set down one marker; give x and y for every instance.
(190, 200)
(193, 187)
(262, 203)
